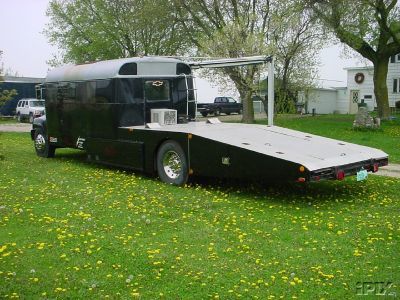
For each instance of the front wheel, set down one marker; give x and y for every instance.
(42, 146)
(204, 114)
(19, 118)
(172, 166)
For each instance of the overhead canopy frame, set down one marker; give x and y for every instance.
(244, 61)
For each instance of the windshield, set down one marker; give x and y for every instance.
(37, 103)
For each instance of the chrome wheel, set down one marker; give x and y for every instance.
(172, 164)
(40, 142)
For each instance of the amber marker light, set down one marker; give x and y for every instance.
(190, 136)
(190, 171)
(302, 169)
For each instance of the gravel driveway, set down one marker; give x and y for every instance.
(17, 127)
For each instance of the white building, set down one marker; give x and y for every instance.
(360, 88)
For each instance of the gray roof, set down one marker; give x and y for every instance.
(21, 79)
(146, 66)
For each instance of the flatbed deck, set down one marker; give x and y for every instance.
(312, 151)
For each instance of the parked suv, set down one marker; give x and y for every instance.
(29, 109)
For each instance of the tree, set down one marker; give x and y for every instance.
(234, 28)
(371, 28)
(89, 30)
(295, 34)
(230, 28)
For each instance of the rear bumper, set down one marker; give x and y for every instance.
(339, 172)
(204, 109)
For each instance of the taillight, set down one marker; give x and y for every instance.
(340, 175)
(375, 168)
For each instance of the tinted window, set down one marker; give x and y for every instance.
(62, 91)
(51, 92)
(104, 91)
(231, 100)
(129, 90)
(128, 69)
(183, 69)
(157, 90)
(70, 92)
(85, 91)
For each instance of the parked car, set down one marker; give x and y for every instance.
(226, 105)
(29, 109)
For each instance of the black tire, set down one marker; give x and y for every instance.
(240, 112)
(228, 113)
(171, 162)
(41, 143)
(19, 118)
(31, 118)
(204, 114)
(217, 112)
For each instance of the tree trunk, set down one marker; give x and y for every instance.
(380, 87)
(248, 109)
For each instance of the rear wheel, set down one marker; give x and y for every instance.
(172, 166)
(204, 114)
(42, 146)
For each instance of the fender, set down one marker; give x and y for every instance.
(38, 123)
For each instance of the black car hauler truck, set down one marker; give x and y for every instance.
(139, 113)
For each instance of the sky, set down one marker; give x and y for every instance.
(26, 49)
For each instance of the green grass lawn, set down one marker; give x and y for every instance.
(340, 127)
(70, 230)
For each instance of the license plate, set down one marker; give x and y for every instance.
(362, 175)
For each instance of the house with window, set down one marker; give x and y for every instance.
(359, 88)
